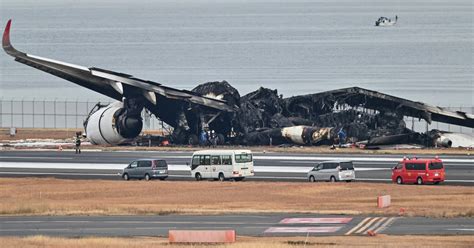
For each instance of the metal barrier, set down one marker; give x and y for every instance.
(42, 113)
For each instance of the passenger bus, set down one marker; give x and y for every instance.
(222, 164)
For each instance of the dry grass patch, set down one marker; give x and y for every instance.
(244, 242)
(47, 196)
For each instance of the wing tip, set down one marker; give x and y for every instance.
(7, 45)
(6, 35)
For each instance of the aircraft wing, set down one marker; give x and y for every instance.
(109, 83)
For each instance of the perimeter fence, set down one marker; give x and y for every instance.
(43, 113)
(55, 113)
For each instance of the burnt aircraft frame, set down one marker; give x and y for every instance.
(189, 112)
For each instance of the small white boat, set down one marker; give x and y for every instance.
(384, 21)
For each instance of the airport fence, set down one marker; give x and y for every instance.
(43, 113)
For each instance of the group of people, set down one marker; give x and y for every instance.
(208, 138)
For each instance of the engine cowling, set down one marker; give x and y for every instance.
(110, 125)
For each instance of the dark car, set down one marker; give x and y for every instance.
(146, 169)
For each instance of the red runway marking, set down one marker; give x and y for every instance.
(319, 229)
(315, 220)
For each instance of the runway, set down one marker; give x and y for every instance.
(268, 166)
(279, 224)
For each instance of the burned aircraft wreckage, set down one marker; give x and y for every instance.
(261, 117)
(264, 117)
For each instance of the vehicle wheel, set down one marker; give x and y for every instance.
(147, 177)
(125, 177)
(399, 180)
(238, 179)
(311, 179)
(436, 183)
(332, 179)
(162, 178)
(198, 177)
(221, 177)
(348, 181)
(419, 181)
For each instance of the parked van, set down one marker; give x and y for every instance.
(332, 171)
(146, 169)
(419, 171)
(222, 164)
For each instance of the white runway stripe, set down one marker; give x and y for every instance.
(385, 225)
(358, 226)
(363, 228)
(376, 225)
(311, 159)
(172, 167)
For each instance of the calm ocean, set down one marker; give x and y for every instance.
(297, 47)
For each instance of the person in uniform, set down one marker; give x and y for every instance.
(78, 143)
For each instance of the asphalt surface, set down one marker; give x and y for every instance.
(269, 166)
(280, 224)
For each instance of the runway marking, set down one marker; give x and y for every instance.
(374, 224)
(360, 230)
(372, 179)
(57, 173)
(463, 229)
(140, 222)
(172, 167)
(459, 181)
(319, 229)
(358, 226)
(315, 159)
(287, 178)
(385, 225)
(315, 220)
(46, 157)
(354, 159)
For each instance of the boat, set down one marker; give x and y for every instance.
(384, 21)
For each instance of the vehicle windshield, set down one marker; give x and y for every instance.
(347, 166)
(160, 164)
(436, 166)
(243, 158)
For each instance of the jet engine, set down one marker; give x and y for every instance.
(112, 124)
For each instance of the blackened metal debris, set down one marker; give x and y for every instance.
(264, 117)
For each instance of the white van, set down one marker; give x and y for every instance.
(332, 171)
(222, 164)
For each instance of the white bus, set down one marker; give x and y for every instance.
(222, 164)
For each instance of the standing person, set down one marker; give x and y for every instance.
(78, 143)
(232, 135)
(213, 138)
(209, 138)
(342, 136)
(203, 138)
